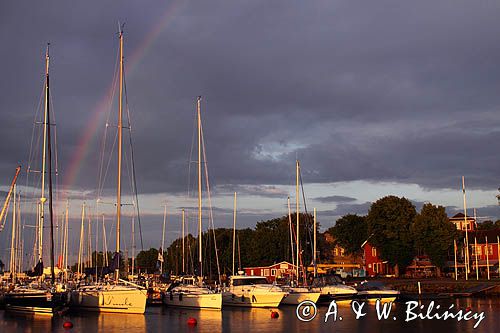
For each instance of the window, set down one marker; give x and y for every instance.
(251, 272)
(336, 251)
(248, 281)
(374, 252)
(490, 250)
(476, 250)
(342, 252)
(266, 272)
(273, 272)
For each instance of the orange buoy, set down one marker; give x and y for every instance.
(274, 314)
(68, 325)
(192, 321)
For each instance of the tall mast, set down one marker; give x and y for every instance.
(44, 154)
(163, 238)
(80, 250)
(49, 171)
(199, 187)
(466, 233)
(291, 231)
(297, 170)
(119, 180)
(183, 252)
(65, 256)
(133, 244)
(13, 239)
(234, 229)
(314, 247)
(104, 244)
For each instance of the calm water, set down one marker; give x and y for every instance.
(259, 320)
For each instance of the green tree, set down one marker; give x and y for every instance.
(488, 225)
(147, 260)
(433, 233)
(349, 232)
(389, 221)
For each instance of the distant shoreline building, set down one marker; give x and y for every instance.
(460, 222)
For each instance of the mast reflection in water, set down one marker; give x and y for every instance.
(163, 319)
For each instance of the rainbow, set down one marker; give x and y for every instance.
(88, 137)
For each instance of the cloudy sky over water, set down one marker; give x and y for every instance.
(374, 98)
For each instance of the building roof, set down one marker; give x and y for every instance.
(461, 216)
(278, 263)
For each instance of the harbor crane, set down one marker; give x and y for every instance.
(3, 213)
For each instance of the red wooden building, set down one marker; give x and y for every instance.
(280, 270)
(487, 250)
(375, 266)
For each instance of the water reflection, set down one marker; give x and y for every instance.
(25, 323)
(163, 319)
(170, 318)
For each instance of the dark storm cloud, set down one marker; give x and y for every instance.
(334, 198)
(313, 78)
(267, 191)
(482, 213)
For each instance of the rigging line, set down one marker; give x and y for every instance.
(114, 83)
(108, 164)
(35, 133)
(191, 155)
(307, 216)
(54, 144)
(131, 184)
(134, 183)
(101, 161)
(33, 152)
(39, 107)
(189, 239)
(211, 217)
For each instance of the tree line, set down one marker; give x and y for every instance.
(392, 225)
(399, 232)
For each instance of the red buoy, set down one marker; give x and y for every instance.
(192, 321)
(68, 325)
(274, 314)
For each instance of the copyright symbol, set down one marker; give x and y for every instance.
(306, 311)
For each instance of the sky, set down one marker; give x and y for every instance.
(374, 98)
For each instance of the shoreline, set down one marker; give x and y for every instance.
(440, 287)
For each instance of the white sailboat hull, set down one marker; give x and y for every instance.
(383, 295)
(252, 299)
(113, 299)
(199, 301)
(339, 292)
(295, 298)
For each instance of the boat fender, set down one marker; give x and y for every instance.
(192, 321)
(274, 314)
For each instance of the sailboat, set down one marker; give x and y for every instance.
(42, 299)
(119, 295)
(329, 287)
(298, 294)
(190, 291)
(250, 291)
